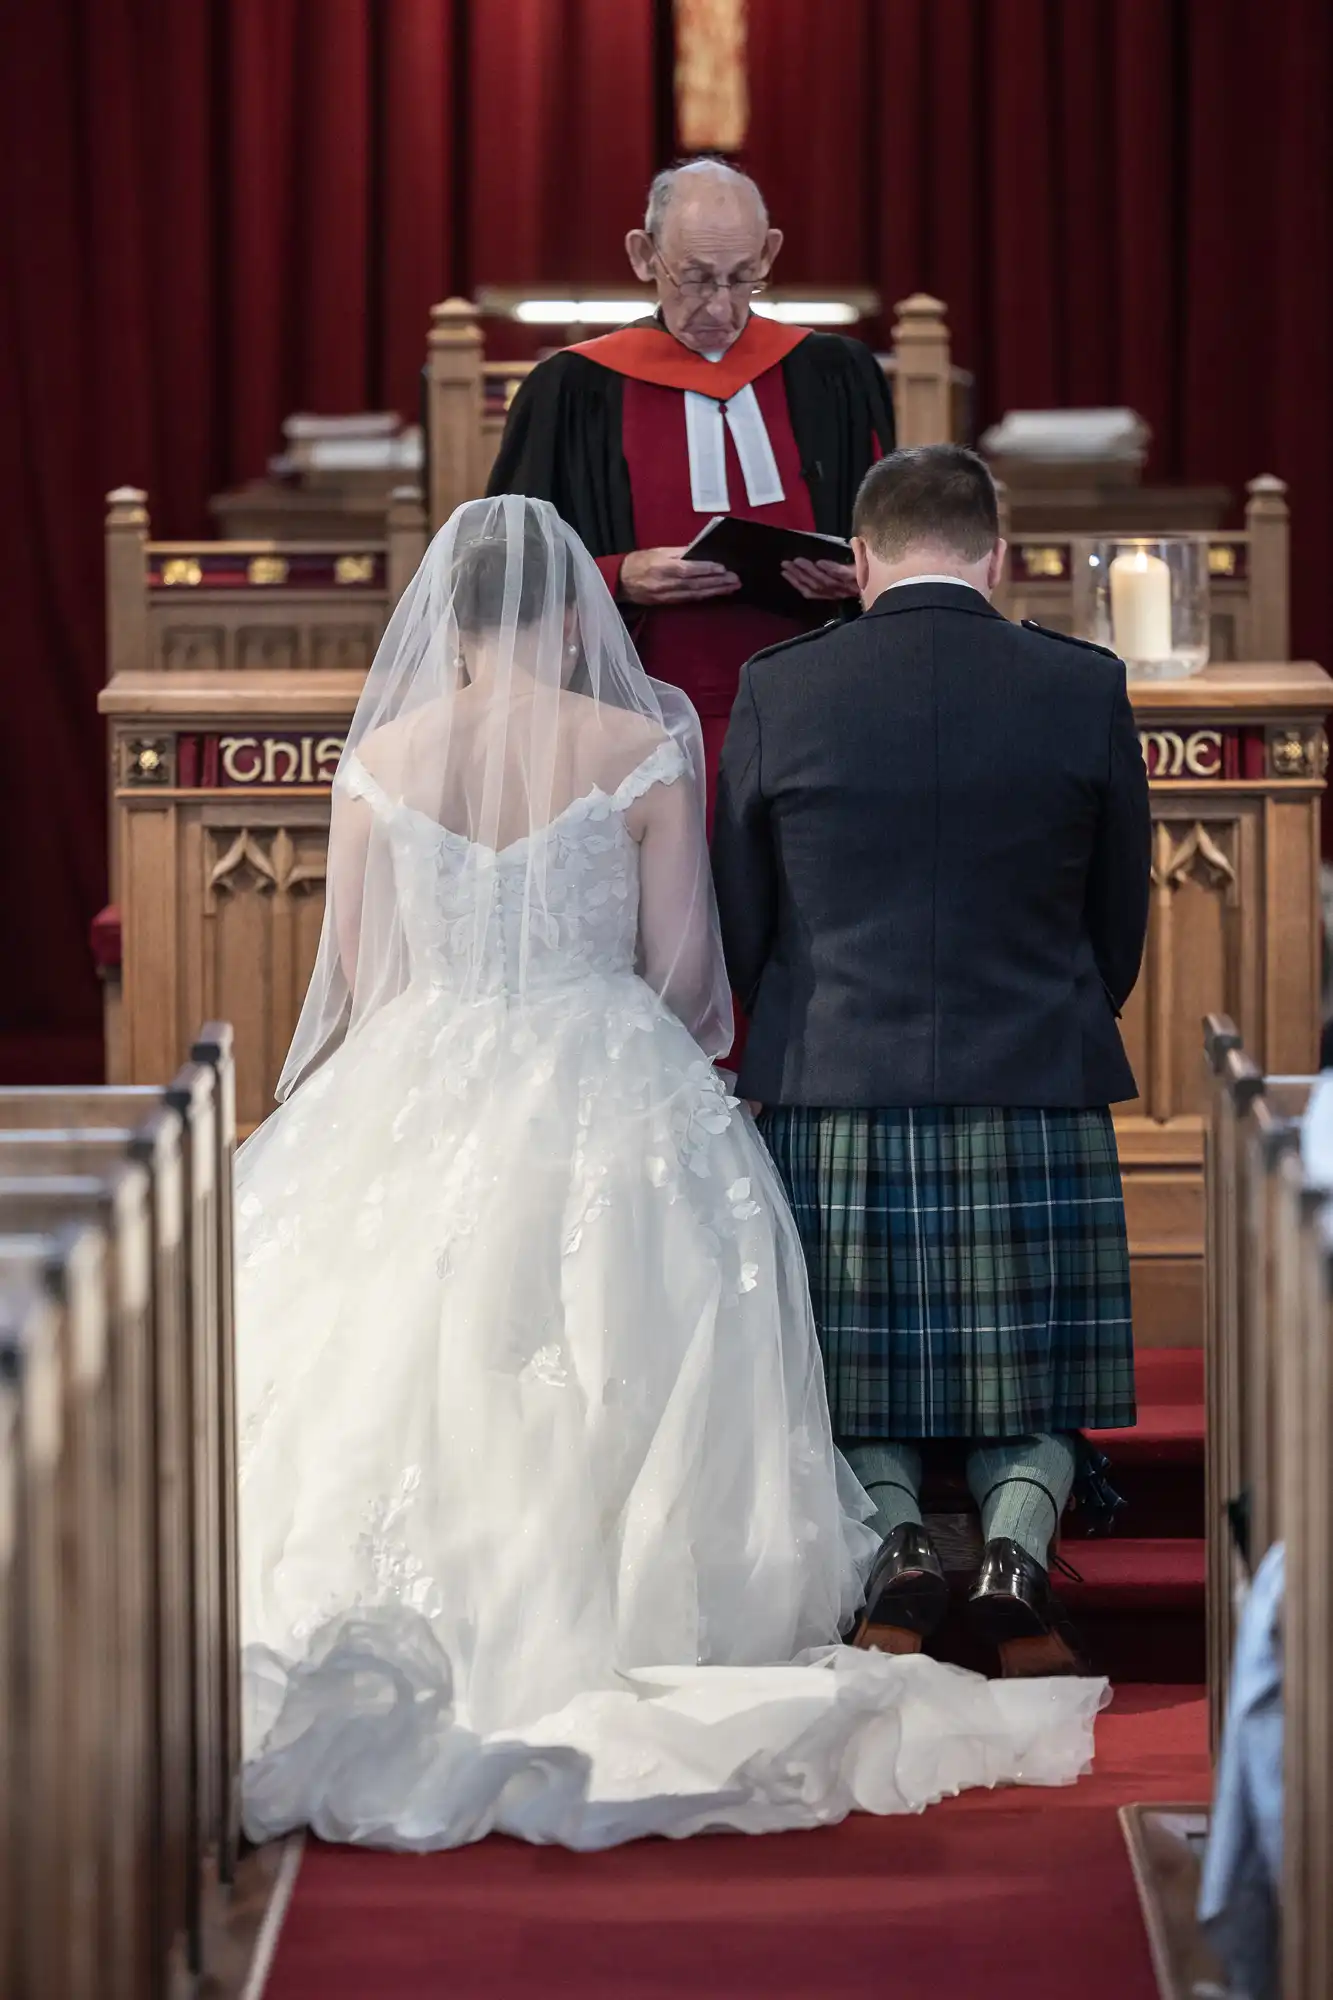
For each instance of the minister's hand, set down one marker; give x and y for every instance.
(662, 576)
(821, 580)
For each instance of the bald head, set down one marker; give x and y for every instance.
(705, 243)
(702, 184)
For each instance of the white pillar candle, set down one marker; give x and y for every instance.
(1141, 606)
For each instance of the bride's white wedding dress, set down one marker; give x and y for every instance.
(538, 1499)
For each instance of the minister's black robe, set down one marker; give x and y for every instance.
(563, 439)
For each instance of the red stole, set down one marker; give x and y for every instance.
(648, 353)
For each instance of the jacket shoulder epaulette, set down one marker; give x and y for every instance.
(1088, 645)
(798, 639)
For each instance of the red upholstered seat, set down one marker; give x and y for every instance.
(104, 937)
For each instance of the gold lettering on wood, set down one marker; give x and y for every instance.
(1203, 753)
(279, 761)
(1170, 753)
(268, 569)
(275, 747)
(233, 748)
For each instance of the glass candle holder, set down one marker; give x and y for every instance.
(1146, 597)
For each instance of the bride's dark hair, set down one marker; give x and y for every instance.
(480, 573)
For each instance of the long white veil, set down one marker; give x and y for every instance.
(505, 690)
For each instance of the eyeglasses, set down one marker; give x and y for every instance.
(702, 291)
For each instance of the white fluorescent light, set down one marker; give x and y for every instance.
(808, 312)
(616, 312)
(580, 312)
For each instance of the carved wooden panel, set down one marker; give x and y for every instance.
(199, 649)
(1222, 634)
(345, 646)
(259, 646)
(1204, 955)
(251, 631)
(252, 907)
(1204, 947)
(150, 943)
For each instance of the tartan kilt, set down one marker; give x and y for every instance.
(968, 1268)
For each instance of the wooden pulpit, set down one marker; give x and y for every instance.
(1237, 758)
(235, 669)
(235, 672)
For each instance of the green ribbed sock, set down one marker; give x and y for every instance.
(891, 1475)
(1021, 1486)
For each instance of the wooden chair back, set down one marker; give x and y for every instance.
(214, 1048)
(11, 1747)
(1269, 1141)
(1305, 1338)
(197, 1391)
(1248, 572)
(56, 1348)
(33, 1811)
(46, 1133)
(118, 1204)
(1254, 1148)
(195, 1095)
(244, 608)
(1233, 1082)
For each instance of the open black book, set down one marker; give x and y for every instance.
(755, 552)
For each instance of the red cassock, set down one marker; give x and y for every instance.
(599, 429)
(702, 647)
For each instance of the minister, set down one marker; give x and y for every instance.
(639, 437)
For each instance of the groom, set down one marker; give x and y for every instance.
(932, 862)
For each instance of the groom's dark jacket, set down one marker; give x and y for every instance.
(931, 851)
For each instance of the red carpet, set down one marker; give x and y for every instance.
(994, 1896)
(1014, 1895)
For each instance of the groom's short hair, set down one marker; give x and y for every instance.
(939, 494)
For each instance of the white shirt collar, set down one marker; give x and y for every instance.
(903, 582)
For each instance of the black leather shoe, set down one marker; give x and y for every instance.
(1013, 1606)
(906, 1594)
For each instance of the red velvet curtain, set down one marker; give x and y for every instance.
(214, 212)
(1120, 201)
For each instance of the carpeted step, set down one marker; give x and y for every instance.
(1169, 1387)
(1157, 1467)
(1137, 1606)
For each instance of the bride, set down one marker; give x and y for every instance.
(543, 1529)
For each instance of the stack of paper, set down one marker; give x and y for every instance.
(371, 442)
(1083, 437)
